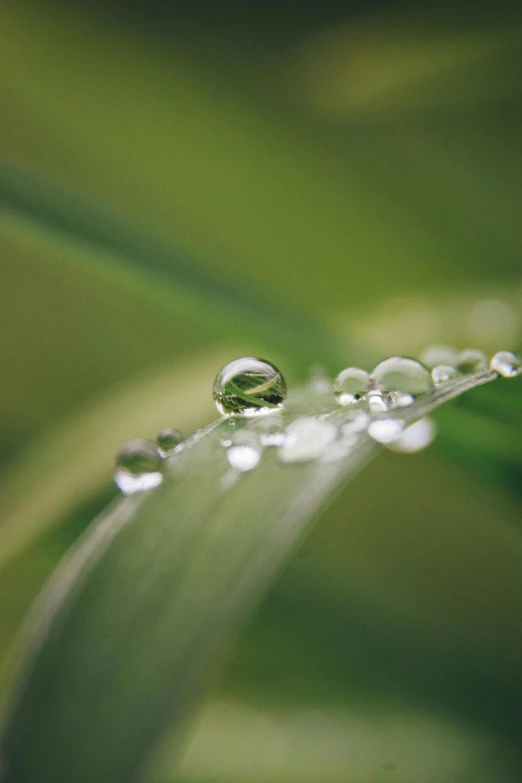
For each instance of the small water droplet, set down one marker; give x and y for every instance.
(245, 451)
(401, 374)
(306, 438)
(138, 467)
(400, 399)
(376, 402)
(415, 437)
(168, 440)
(443, 373)
(319, 381)
(472, 361)
(507, 364)
(439, 354)
(249, 387)
(271, 430)
(243, 457)
(351, 385)
(385, 430)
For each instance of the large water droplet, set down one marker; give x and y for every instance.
(507, 364)
(138, 467)
(401, 374)
(439, 354)
(444, 373)
(307, 438)
(472, 361)
(385, 430)
(415, 437)
(249, 387)
(351, 385)
(167, 441)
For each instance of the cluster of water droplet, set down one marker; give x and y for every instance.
(252, 387)
(139, 463)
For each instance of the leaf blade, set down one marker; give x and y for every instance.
(125, 637)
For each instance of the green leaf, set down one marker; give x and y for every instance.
(121, 643)
(77, 234)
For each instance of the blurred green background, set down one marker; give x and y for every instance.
(324, 184)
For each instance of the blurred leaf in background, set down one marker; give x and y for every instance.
(184, 183)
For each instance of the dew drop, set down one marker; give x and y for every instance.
(472, 361)
(167, 441)
(400, 399)
(439, 354)
(249, 387)
(245, 450)
(243, 457)
(401, 374)
(350, 386)
(507, 364)
(385, 430)
(415, 437)
(319, 381)
(272, 430)
(443, 373)
(138, 467)
(306, 439)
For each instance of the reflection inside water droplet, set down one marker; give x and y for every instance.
(351, 385)
(472, 361)
(138, 467)
(444, 373)
(249, 387)
(168, 440)
(507, 364)
(401, 374)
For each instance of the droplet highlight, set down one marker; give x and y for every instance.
(444, 373)
(415, 438)
(138, 467)
(249, 387)
(507, 364)
(351, 386)
(472, 361)
(168, 440)
(401, 374)
(243, 457)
